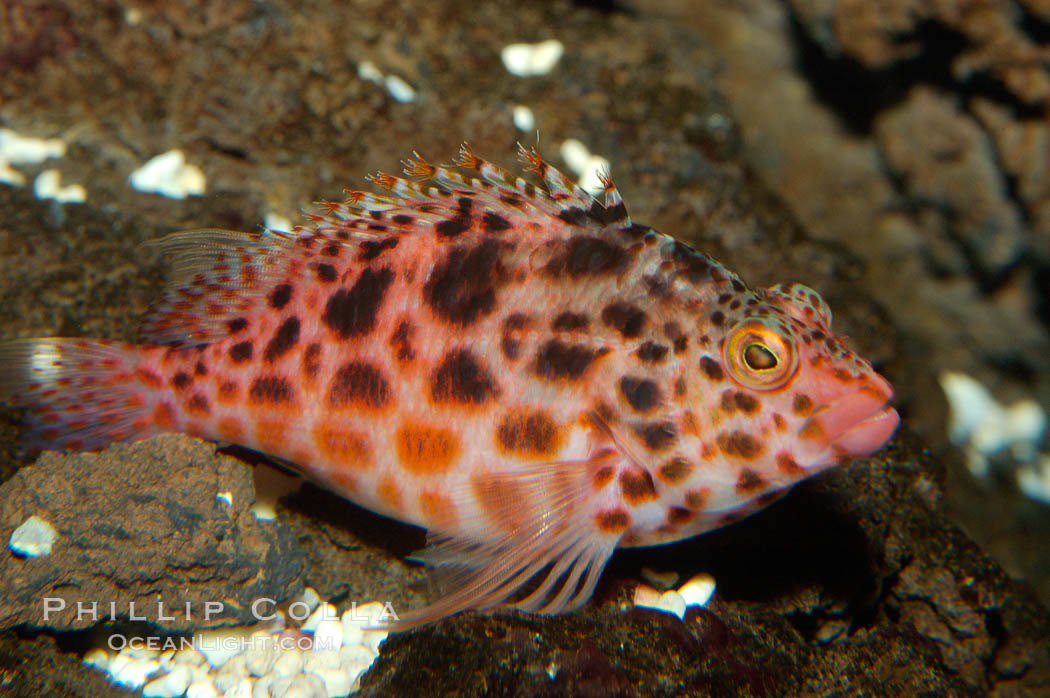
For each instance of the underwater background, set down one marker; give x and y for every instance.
(893, 156)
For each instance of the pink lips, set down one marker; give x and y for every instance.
(859, 423)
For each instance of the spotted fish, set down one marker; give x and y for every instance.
(517, 367)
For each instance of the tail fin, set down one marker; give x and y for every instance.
(79, 394)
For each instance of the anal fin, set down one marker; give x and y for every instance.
(541, 551)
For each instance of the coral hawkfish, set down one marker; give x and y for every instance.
(517, 367)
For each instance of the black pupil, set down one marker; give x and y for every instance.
(759, 358)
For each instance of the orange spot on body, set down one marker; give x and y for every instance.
(271, 433)
(426, 449)
(164, 415)
(689, 424)
(344, 446)
(148, 377)
(812, 431)
(231, 429)
(390, 494)
(439, 510)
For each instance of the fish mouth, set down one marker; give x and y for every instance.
(855, 425)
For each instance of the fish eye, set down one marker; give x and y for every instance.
(760, 355)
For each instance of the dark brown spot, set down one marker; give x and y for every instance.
(560, 361)
(802, 405)
(718, 318)
(236, 325)
(326, 273)
(749, 481)
(402, 219)
(637, 486)
(697, 499)
(273, 390)
(200, 369)
(453, 227)
(352, 312)
(588, 255)
(460, 378)
(740, 444)
(656, 436)
(311, 360)
(711, 368)
(676, 516)
(746, 403)
(627, 319)
(651, 353)
(359, 384)
(280, 296)
(401, 341)
(331, 250)
(603, 476)
(462, 288)
(181, 380)
(787, 464)
(370, 249)
(283, 340)
(675, 470)
(530, 432)
(641, 394)
(494, 223)
(615, 521)
(198, 404)
(569, 321)
(227, 391)
(573, 216)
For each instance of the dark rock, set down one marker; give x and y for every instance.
(142, 523)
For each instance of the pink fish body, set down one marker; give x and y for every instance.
(520, 369)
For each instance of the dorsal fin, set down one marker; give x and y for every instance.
(215, 275)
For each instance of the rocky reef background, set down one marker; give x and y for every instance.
(895, 156)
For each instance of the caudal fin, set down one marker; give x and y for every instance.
(79, 394)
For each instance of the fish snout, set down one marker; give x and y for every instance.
(854, 425)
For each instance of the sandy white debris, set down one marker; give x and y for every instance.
(16, 149)
(367, 70)
(9, 175)
(169, 685)
(48, 185)
(397, 87)
(527, 60)
(168, 174)
(524, 119)
(587, 166)
(983, 427)
(1034, 479)
(275, 221)
(264, 661)
(698, 590)
(33, 538)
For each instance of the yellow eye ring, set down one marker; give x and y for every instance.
(759, 356)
